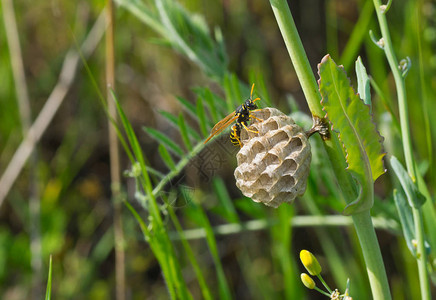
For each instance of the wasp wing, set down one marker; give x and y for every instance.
(221, 125)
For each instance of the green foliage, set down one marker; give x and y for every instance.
(165, 140)
(414, 196)
(48, 290)
(363, 83)
(406, 219)
(187, 34)
(350, 117)
(200, 238)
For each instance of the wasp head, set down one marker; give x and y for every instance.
(250, 105)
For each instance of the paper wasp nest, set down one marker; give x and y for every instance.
(273, 164)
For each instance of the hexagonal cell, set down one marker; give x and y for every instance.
(274, 166)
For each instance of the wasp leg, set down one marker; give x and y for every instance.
(256, 118)
(246, 128)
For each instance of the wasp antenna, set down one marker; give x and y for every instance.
(252, 88)
(256, 99)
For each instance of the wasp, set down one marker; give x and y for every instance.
(242, 116)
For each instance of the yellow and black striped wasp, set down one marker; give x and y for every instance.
(241, 115)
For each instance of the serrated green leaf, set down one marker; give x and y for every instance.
(414, 196)
(363, 83)
(162, 138)
(350, 117)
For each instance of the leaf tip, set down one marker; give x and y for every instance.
(325, 58)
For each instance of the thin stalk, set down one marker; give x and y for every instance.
(401, 90)
(421, 254)
(362, 221)
(114, 153)
(296, 221)
(407, 146)
(24, 108)
(52, 104)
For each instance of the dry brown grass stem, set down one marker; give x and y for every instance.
(24, 108)
(120, 287)
(57, 96)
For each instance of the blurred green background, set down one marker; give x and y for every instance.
(68, 176)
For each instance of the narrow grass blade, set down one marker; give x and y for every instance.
(358, 35)
(200, 216)
(205, 291)
(231, 98)
(208, 96)
(184, 132)
(236, 88)
(137, 151)
(223, 196)
(48, 289)
(252, 209)
(281, 238)
(166, 157)
(162, 249)
(162, 138)
(414, 196)
(202, 117)
(175, 121)
(188, 106)
(190, 36)
(261, 89)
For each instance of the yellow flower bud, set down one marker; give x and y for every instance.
(307, 281)
(310, 262)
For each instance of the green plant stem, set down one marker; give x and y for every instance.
(407, 146)
(321, 291)
(372, 255)
(296, 221)
(298, 55)
(421, 254)
(401, 90)
(324, 283)
(362, 221)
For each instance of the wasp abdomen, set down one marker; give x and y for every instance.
(235, 134)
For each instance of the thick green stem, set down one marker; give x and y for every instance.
(372, 255)
(298, 55)
(421, 254)
(362, 221)
(407, 145)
